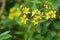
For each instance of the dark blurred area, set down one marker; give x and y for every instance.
(11, 3)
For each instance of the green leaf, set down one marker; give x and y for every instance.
(34, 7)
(47, 23)
(26, 1)
(38, 28)
(29, 26)
(17, 20)
(57, 37)
(30, 35)
(56, 25)
(25, 36)
(55, 4)
(42, 20)
(53, 33)
(29, 31)
(5, 35)
(38, 36)
(45, 26)
(48, 37)
(36, 2)
(17, 6)
(19, 32)
(44, 30)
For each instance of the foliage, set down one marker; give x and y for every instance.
(31, 20)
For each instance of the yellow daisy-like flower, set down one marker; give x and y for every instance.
(24, 19)
(53, 12)
(53, 15)
(46, 5)
(11, 16)
(26, 10)
(35, 21)
(50, 14)
(21, 7)
(33, 13)
(37, 11)
(47, 16)
(18, 13)
(12, 9)
(41, 15)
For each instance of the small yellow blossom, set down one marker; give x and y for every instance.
(11, 16)
(46, 6)
(47, 16)
(26, 10)
(21, 6)
(17, 13)
(24, 19)
(38, 12)
(41, 15)
(50, 14)
(53, 14)
(35, 21)
(12, 9)
(54, 11)
(36, 16)
(33, 13)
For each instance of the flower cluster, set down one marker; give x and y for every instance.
(24, 12)
(46, 5)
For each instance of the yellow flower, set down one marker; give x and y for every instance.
(47, 16)
(41, 15)
(53, 15)
(11, 16)
(46, 5)
(37, 11)
(26, 10)
(18, 13)
(35, 21)
(50, 14)
(53, 12)
(33, 13)
(12, 9)
(23, 19)
(21, 6)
